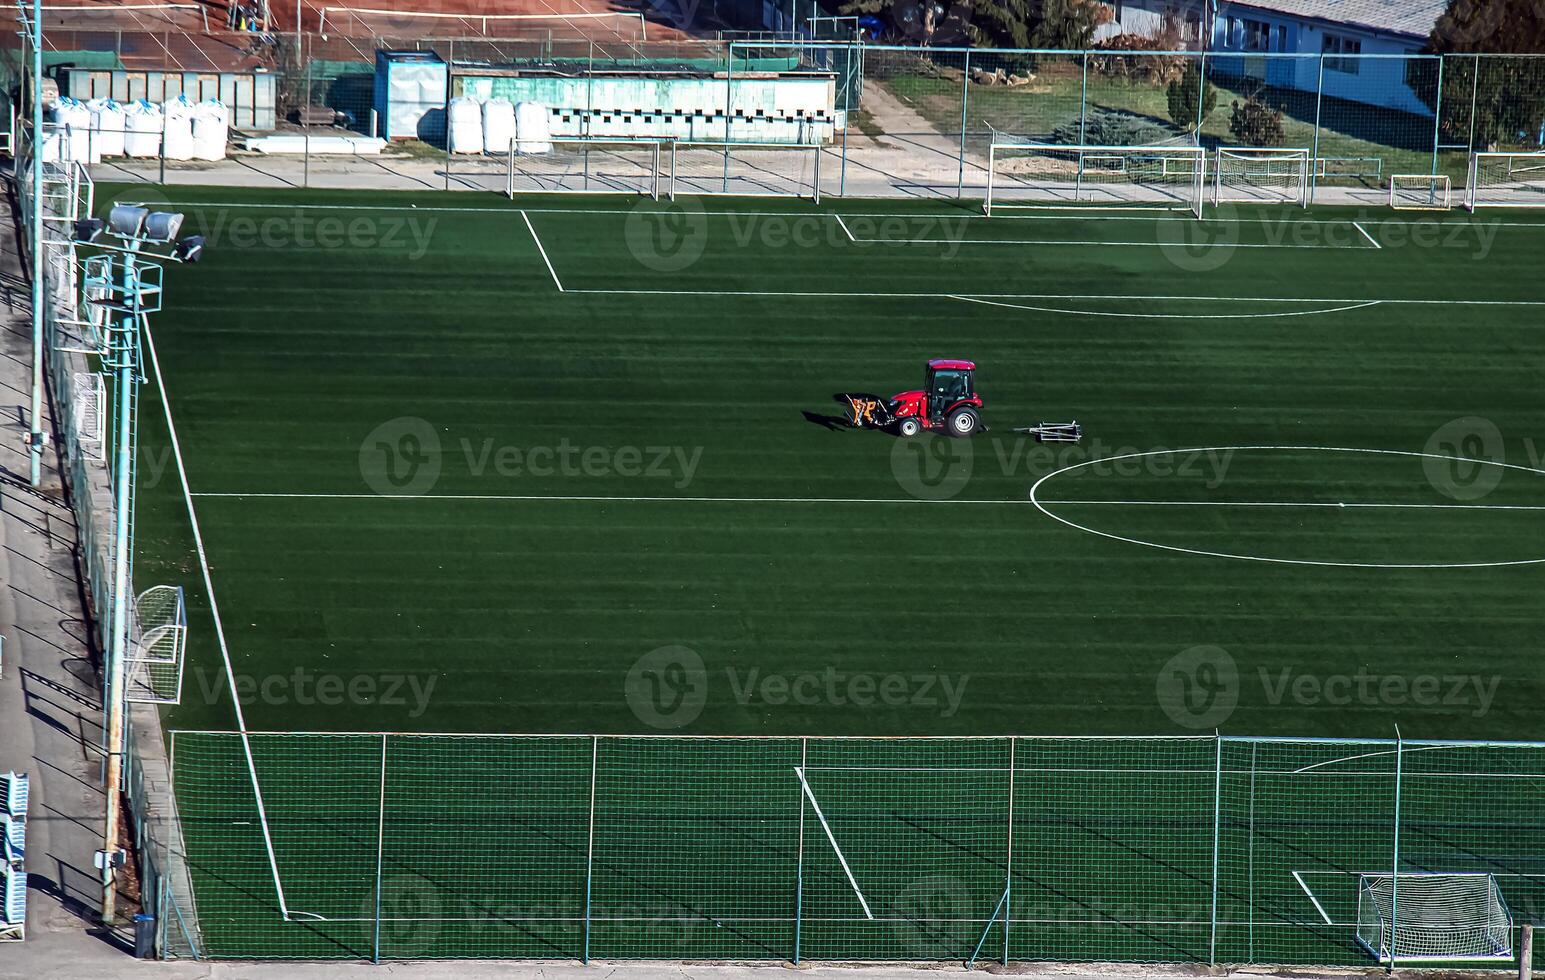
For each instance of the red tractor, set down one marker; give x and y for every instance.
(948, 401)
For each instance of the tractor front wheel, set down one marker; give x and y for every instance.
(908, 427)
(964, 422)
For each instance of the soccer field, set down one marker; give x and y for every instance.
(573, 466)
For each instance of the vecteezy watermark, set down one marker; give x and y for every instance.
(849, 231)
(404, 457)
(1199, 246)
(306, 688)
(668, 687)
(402, 233)
(1199, 687)
(938, 467)
(1460, 458)
(667, 237)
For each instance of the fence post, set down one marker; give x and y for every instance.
(1217, 810)
(380, 849)
(1394, 895)
(1083, 110)
(965, 96)
(1008, 862)
(1314, 154)
(799, 861)
(450, 81)
(1526, 951)
(595, 745)
(1437, 117)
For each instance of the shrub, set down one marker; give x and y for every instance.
(1254, 123)
(1191, 102)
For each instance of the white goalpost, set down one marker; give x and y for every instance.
(1257, 175)
(1512, 180)
(1420, 192)
(665, 168)
(582, 165)
(1025, 174)
(365, 21)
(1417, 917)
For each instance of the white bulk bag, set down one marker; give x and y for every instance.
(465, 125)
(145, 125)
(498, 125)
(74, 120)
(179, 128)
(533, 129)
(211, 126)
(107, 127)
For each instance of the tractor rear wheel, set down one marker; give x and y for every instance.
(964, 422)
(908, 427)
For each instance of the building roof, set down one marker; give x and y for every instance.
(1413, 18)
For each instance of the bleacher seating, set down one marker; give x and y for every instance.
(13, 852)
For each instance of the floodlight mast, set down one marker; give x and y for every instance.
(35, 242)
(136, 227)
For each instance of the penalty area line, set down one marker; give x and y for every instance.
(1371, 240)
(548, 262)
(596, 498)
(1292, 503)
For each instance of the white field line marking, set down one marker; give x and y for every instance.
(604, 499)
(1317, 906)
(1075, 242)
(813, 294)
(962, 214)
(844, 227)
(1373, 241)
(1165, 316)
(1041, 506)
(548, 262)
(831, 837)
(1295, 503)
(214, 610)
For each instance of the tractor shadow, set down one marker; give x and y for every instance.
(832, 422)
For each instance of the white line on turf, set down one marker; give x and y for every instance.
(214, 611)
(602, 499)
(1075, 242)
(1294, 503)
(548, 262)
(844, 227)
(1373, 241)
(1165, 316)
(1112, 297)
(833, 839)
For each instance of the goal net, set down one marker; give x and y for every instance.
(745, 169)
(1419, 192)
(1048, 175)
(578, 165)
(1413, 917)
(373, 22)
(1514, 180)
(158, 640)
(1250, 175)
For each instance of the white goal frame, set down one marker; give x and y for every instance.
(340, 17)
(1511, 166)
(1086, 169)
(806, 181)
(1433, 917)
(1434, 192)
(1252, 174)
(553, 180)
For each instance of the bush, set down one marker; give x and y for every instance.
(1113, 127)
(1157, 68)
(1190, 102)
(1254, 123)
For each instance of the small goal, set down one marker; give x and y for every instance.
(1023, 174)
(1253, 175)
(579, 165)
(1511, 180)
(1433, 917)
(1419, 192)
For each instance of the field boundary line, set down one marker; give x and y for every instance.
(545, 260)
(1162, 316)
(595, 498)
(1107, 297)
(214, 609)
(1084, 243)
(1295, 503)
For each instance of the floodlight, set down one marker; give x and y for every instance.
(162, 226)
(127, 220)
(190, 249)
(88, 229)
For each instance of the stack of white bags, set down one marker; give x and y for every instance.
(86, 132)
(492, 126)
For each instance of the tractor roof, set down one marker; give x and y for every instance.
(949, 364)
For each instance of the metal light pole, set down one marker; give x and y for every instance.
(35, 435)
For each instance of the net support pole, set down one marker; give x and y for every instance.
(380, 849)
(1526, 951)
(595, 746)
(1437, 116)
(1314, 154)
(1394, 882)
(35, 240)
(799, 856)
(965, 98)
(1217, 812)
(1008, 857)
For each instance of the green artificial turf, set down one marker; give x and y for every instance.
(632, 511)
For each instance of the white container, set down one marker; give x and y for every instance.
(464, 125)
(179, 128)
(533, 128)
(74, 120)
(107, 127)
(498, 125)
(211, 128)
(145, 126)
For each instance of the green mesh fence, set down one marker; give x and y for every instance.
(1186, 850)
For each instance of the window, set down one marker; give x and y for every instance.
(1257, 36)
(1335, 44)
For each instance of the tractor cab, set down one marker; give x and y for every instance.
(947, 401)
(948, 383)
